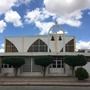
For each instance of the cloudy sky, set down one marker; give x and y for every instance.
(35, 17)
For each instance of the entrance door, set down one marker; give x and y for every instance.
(57, 66)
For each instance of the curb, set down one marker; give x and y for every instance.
(43, 84)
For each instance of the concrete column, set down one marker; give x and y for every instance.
(31, 63)
(48, 42)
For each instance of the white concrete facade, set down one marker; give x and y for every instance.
(58, 68)
(23, 43)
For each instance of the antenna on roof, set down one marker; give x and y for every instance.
(56, 22)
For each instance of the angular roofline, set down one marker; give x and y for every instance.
(33, 36)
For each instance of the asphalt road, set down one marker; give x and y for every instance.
(43, 88)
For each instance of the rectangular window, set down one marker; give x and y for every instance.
(57, 63)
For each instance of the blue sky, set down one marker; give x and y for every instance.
(36, 17)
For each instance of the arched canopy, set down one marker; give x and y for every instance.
(38, 46)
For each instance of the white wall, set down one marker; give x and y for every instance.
(68, 70)
(7, 71)
(23, 43)
(87, 67)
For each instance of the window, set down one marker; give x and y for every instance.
(6, 66)
(57, 63)
(70, 46)
(9, 47)
(38, 46)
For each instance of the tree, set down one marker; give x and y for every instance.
(16, 62)
(73, 61)
(81, 74)
(44, 62)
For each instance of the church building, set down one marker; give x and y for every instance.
(53, 44)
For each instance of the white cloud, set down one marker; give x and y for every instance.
(37, 14)
(13, 17)
(83, 45)
(45, 14)
(44, 27)
(68, 11)
(32, 15)
(41, 14)
(71, 20)
(62, 32)
(5, 5)
(2, 26)
(64, 7)
(2, 48)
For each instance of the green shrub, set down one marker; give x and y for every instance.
(81, 74)
(76, 60)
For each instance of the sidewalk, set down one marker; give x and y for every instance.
(39, 81)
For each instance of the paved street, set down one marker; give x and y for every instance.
(42, 88)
